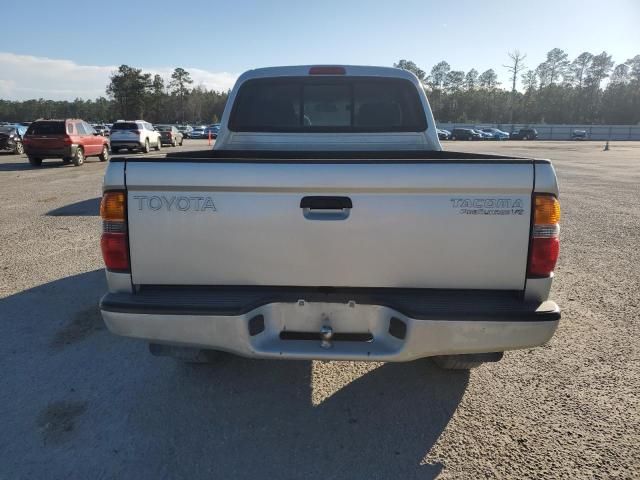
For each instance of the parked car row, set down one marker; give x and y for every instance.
(73, 140)
(487, 133)
(202, 131)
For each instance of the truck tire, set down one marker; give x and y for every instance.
(466, 361)
(35, 162)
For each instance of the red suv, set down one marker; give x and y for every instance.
(72, 140)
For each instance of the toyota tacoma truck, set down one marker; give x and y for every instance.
(327, 223)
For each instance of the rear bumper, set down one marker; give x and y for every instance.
(126, 144)
(379, 326)
(66, 152)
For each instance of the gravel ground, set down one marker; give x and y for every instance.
(77, 402)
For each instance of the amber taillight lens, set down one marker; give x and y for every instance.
(545, 241)
(115, 241)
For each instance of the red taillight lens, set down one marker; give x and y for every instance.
(545, 244)
(327, 71)
(136, 132)
(543, 256)
(115, 251)
(115, 240)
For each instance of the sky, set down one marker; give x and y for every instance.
(58, 49)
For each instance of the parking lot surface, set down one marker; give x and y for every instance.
(78, 402)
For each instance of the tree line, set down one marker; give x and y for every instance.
(589, 89)
(559, 90)
(130, 94)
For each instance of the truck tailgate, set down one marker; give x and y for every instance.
(411, 224)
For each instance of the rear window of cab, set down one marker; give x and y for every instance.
(330, 104)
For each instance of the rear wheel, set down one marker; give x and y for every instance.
(35, 162)
(466, 361)
(146, 148)
(18, 149)
(174, 143)
(158, 145)
(104, 156)
(181, 140)
(78, 158)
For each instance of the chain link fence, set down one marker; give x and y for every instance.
(560, 132)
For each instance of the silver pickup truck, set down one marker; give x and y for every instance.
(327, 223)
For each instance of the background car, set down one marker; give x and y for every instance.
(185, 130)
(197, 132)
(443, 134)
(101, 129)
(495, 133)
(465, 134)
(11, 138)
(134, 135)
(524, 134)
(483, 135)
(213, 130)
(170, 135)
(70, 139)
(579, 135)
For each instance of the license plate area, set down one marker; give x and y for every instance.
(300, 328)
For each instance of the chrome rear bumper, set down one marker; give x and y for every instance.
(329, 329)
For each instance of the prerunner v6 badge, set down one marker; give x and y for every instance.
(488, 206)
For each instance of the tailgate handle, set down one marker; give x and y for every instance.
(326, 208)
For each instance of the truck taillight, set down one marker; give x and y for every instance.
(115, 241)
(545, 242)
